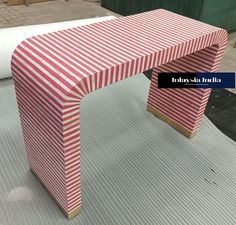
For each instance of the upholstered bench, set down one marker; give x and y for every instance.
(53, 72)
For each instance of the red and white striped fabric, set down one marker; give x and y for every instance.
(53, 72)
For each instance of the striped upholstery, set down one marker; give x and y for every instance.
(53, 72)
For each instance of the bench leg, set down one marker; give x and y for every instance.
(183, 108)
(52, 141)
(180, 108)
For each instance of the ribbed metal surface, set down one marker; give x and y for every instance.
(135, 168)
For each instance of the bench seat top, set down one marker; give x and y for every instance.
(74, 60)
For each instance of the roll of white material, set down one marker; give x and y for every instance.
(11, 37)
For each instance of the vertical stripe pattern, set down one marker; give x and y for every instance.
(53, 72)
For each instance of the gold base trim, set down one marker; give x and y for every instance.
(68, 215)
(73, 213)
(172, 123)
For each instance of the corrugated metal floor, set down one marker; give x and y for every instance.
(135, 168)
